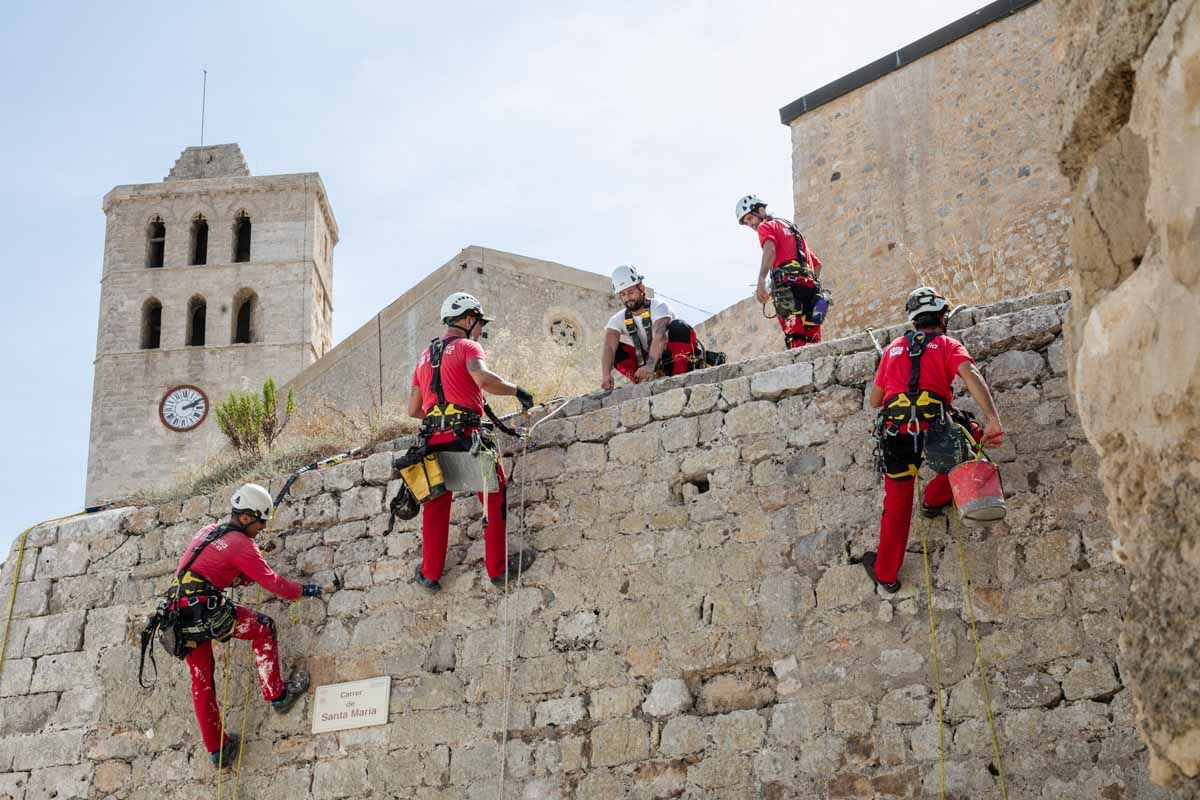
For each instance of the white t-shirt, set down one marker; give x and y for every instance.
(658, 310)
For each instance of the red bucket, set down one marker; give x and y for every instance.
(977, 491)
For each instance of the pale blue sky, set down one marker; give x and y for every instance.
(624, 133)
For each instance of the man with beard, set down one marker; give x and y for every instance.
(660, 344)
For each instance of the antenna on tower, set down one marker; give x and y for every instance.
(203, 98)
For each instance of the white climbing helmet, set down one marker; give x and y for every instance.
(460, 303)
(252, 499)
(923, 301)
(625, 276)
(746, 205)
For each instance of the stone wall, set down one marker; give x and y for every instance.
(695, 626)
(372, 367)
(942, 172)
(1131, 145)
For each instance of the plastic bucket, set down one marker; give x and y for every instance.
(978, 494)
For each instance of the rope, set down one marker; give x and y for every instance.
(228, 650)
(923, 526)
(12, 594)
(955, 525)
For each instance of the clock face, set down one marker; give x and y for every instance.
(183, 408)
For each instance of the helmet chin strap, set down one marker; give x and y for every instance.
(467, 331)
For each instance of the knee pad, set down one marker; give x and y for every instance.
(263, 619)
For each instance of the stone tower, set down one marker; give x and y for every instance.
(212, 280)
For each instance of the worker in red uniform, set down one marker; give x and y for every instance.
(447, 395)
(660, 343)
(912, 388)
(218, 556)
(795, 273)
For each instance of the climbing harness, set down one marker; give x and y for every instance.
(955, 525)
(508, 638)
(699, 357)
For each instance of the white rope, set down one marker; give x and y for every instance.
(507, 640)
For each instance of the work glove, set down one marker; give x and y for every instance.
(524, 398)
(311, 590)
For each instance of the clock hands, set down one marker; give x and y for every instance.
(193, 404)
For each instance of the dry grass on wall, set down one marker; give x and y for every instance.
(545, 368)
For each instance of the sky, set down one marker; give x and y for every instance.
(620, 133)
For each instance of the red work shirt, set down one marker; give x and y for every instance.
(235, 554)
(781, 234)
(939, 364)
(457, 384)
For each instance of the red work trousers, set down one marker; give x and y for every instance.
(435, 528)
(797, 333)
(897, 518)
(259, 629)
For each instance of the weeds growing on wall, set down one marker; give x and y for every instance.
(544, 367)
(251, 419)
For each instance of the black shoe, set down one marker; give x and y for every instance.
(226, 757)
(933, 512)
(517, 563)
(293, 690)
(868, 562)
(425, 583)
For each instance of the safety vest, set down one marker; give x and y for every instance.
(444, 416)
(911, 409)
(642, 316)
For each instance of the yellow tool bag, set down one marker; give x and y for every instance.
(422, 474)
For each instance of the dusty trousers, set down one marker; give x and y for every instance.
(797, 333)
(896, 520)
(260, 630)
(435, 527)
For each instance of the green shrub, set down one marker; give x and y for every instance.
(251, 420)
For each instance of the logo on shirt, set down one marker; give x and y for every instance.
(897, 351)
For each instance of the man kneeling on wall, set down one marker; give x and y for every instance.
(660, 344)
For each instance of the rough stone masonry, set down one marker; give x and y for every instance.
(696, 625)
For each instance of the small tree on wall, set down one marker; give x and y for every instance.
(250, 419)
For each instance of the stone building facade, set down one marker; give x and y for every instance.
(542, 311)
(933, 165)
(695, 626)
(212, 280)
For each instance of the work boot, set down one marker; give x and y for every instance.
(868, 562)
(293, 690)
(518, 563)
(933, 512)
(226, 757)
(425, 583)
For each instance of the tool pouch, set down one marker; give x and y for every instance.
(422, 474)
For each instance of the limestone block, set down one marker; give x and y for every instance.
(341, 477)
(377, 468)
(561, 711)
(27, 714)
(309, 484)
(440, 656)
(91, 526)
(111, 776)
(1031, 689)
(1046, 599)
(1053, 554)
(584, 457)
(906, 706)
(59, 748)
(668, 696)
(545, 464)
(680, 434)
(141, 520)
(614, 703)
(635, 448)
(966, 699)
(1014, 368)
(347, 531)
(782, 381)
(33, 598)
(737, 731)
(852, 716)
(733, 691)
(635, 413)
(620, 742)
(797, 723)
(314, 560)
(577, 631)
(195, 508)
(321, 511)
(734, 391)
(843, 585)
(703, 399)
(857, 369)
(61, 560)
(61, 783)
(1090, 679)
(702, 463)
(752, 419)
(345, 777)
(558, 431)
(360, 502)
(77, 708)
(785, 595)
(895, 662)
(597, 426)
(105, 627)
(17, 676)
(359, 550)
(668, 404)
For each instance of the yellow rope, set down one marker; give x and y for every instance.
(12, 594)
(237, 772)
(923, 525)
(983, 671)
